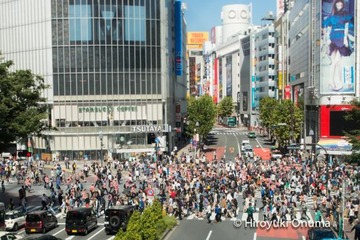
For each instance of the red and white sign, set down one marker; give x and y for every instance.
(150, 192)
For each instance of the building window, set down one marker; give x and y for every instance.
(80, 23)
(135, 23)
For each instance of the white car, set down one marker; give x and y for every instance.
(14, 219)
(10, 236)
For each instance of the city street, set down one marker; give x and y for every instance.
(224, 143)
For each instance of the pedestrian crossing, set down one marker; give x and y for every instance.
(38, 208)
(229, 133)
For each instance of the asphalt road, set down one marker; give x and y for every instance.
(227, 142)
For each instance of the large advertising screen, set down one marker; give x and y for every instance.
(337, 60)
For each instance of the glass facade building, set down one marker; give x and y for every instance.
(110, 68)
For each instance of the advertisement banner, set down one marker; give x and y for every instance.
(229, 76)
(197, 38)
(288, 92)
(337, 60)
(178, 38)
(253, 92)
(215, 82)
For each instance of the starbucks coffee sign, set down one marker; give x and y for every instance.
(151, 128)
(109, 109)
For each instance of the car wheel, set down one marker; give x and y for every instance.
(16, 227)
(27, 232)
(43, 230)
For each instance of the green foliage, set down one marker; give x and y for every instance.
(266, 107)
(149, 225)
(285, 113)
(170, 221)
(20, 95)
(225, 107)
(133, 230)
(203, 111)
(354, 135)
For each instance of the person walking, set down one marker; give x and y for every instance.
(44, 202)
(250, 212)
(356, 227)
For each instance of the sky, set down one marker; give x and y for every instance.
(202, 15)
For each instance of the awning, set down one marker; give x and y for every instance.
(334, 146)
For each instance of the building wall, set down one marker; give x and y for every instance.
(265, 62)
(26, 38)
(110, 69)
(235, 18)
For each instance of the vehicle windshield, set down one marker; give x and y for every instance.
(33, 218)
(9, 216)
(75, 217)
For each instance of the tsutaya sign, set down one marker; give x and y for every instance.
(152, 128)
(108, 109)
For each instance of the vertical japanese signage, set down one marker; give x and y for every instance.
(253, 92)
(229, 75)
(216, 85)
(178, 38)
(337, 60)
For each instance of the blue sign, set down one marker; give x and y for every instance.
(178, 38)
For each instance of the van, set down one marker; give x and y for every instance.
(80, 221)
(117, 217)
(40, 221)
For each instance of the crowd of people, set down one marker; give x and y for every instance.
(212, 189)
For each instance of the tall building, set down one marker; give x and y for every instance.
(317, 76)
(112, 67)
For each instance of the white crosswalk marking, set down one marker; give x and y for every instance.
(255, 215)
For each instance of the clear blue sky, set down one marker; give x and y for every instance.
(202, 15)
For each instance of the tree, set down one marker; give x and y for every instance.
(266, 107)
(133, 229)
(203, 111)
(225, 107)
(148, 223)
(354, 117)
(20, 95)
(288, 119)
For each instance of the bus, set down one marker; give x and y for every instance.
(2, 216)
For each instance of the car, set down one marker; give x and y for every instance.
(248, 151)
(321, 234)
(10, 236)
(251, 135)
(243, 143)
(40, 221)
(14, 219)
(43, 237)
(80, 220)
(117, 217)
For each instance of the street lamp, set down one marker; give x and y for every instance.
(195, 138)
(101, 147)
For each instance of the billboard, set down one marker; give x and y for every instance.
(229, 75)
(197, 38)
(178, 39)
(337, 60)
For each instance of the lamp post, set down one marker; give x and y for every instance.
(101, 148)
(195, 138)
